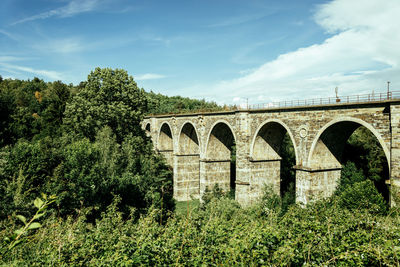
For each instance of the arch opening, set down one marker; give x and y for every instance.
(357, 154)
(148, 127)
(165, 143)
(188, 140)
(273, 158)
(221, 158)
(187, 173)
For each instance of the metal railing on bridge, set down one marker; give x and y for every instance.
(352, 99)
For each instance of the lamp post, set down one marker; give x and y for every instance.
(388, 93)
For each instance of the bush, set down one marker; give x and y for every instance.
(363, 195)
(356, 192)
(220, 233)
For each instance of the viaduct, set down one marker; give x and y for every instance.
(198, 146)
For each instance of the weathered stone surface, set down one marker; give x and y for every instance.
(198, 146)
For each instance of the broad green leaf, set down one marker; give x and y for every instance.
(38, 203)
(19, 231)
(37, 216)
(34, 225)
(21, 218)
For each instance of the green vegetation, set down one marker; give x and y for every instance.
(185, 207)
(159, 104)
(218, 233)
(110, 196)
(83, 144)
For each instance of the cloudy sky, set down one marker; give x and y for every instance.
(221, 50)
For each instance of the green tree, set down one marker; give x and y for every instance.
(109, 98)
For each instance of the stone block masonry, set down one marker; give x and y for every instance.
(199, 147)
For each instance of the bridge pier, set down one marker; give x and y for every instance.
(314, 184)
(395, 155)
(263, 173)
(214, 172)
(186, 177)
(168, 155)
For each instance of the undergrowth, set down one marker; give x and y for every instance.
(218, 232)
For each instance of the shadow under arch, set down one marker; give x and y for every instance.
(188, 142)
(353, 124)
(272, 156)
(328, 147)
(279, 124)
(220, 158)
(165, 142)
(187, 172)
(148, 127)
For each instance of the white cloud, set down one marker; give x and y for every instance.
(9, 35)
(73, 7)
(11, 58)
(361, 55)
(11, 68)
(149, 76)
(61, 45)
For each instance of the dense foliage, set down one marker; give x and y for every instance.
(83, 146)
(218, 233)
(159, 104)
(109, 98)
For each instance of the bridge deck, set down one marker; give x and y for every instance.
(317, 103)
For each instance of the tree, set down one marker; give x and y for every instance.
(109, 98)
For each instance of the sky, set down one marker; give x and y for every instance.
(228, 51)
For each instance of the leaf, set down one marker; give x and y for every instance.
(38, 203)
(19, 231)
(21, 218)
(34, 225)
(37, 216)
(13, 244)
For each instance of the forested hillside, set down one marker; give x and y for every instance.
(158, 104)
(80, 184)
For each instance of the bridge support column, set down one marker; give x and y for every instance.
(263, 173)
(395, 155)
(186, 177)
(315, 184)
(214, 172)
(168, 155)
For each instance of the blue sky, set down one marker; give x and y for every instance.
(226, 51)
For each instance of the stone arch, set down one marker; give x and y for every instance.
(269, 166)
(189, 142)
(218, 166)
(165, 143)
(254, 154)
(217, 139)
(325, 157)
(165, 137)
(351, 124)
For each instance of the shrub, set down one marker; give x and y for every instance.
(363, 195)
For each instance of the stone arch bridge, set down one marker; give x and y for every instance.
(198, 146)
